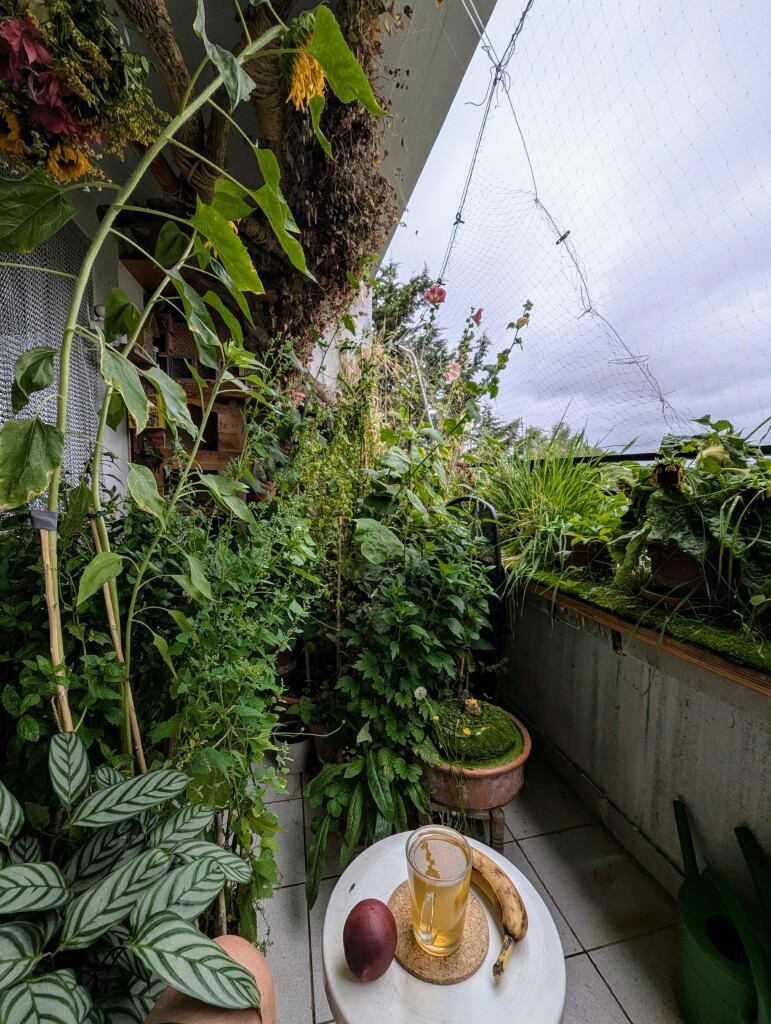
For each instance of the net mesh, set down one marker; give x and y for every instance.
(644, 133)
(33, 311)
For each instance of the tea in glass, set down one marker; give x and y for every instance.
(439, 873)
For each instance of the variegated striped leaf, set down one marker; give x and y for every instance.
(99, 855)
(46, 999)
(186, 823)
(129, 798)
(105, 776)
(192, 963)
(233, 867)
(21, 947)
(26, 850)
(105, 904)
(68, 766)
(81, 996)
(121, 1009)
(11, 816)
(32, 887)
(187, 891)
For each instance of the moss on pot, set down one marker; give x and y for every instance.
(485, 740)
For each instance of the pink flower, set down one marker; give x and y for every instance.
(48, 107)
(435, 295)
(453, 373)
(21, 46)
(477, 317)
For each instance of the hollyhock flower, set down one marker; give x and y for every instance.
(453, 373)
(66, 163)
(48, 107)
(435, 295)
(522, 322)
(477, 317)
(21, 46)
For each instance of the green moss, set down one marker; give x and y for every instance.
(476, 741)
(694, 627)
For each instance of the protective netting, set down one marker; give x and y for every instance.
(33, 311)
(644, 131)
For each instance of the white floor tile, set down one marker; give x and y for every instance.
(588, 999)
(570, 943)
(641, 973)
(545, 804)
(289, 954)
(602, 894)
(290, 856)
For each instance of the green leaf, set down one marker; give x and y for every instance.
(223, 488)
(193, 964)
(129, 798)
(163, 649)
(21, 947)
(198, 576)
(144, 490)
(30, 451)
(316, 106)
(116, 411)
(68, 766)
(121, 316)
(103, 567)
(381, 794)
(38, 815)
(124, 378)
(236, 81)
(198, 320)
(233, 867)
(316, 862)
(26, 850)
(186, 823)
(33, 371)
(99, 855)
(11, 816)
(28, 728)
(187, 891)
(341, 69)
(353, 824)
(232, 324)
(105, 775)
(378, 543)
(45, 999)
(32, 887)
(229, 199)
(172, 399)
(230, 250)
(107, 902)
(171, 245)
(400, 812)
(182, 621)
(32, 209)
(382, 827)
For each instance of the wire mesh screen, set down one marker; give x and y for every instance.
(33, 311)
(644, 132)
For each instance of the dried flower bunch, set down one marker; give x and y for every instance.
(67, 86)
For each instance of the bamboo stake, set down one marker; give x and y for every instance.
(62, 704)
(117, 644)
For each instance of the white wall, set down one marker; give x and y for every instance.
(633, 731)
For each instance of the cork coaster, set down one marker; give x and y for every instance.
(440, 970)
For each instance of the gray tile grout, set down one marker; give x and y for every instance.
(551, 897)
(631, 938)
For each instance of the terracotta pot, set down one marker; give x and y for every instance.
(591, 554)
(479, 789)
(327, 746)
(675, 572)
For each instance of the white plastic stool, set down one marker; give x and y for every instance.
(532, 989)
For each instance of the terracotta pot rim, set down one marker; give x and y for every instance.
(491, 773)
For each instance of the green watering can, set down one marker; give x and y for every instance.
(723, 956)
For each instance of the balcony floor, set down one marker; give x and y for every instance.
(616, 925)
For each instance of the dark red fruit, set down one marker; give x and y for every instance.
(369, 939)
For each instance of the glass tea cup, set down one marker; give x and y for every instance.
(439, 873)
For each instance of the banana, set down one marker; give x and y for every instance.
(502, 894)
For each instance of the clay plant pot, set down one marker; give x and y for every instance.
(327, 743)
(479, 789)
(676, 573)
(592, 555)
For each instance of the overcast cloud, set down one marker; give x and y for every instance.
(648, 134)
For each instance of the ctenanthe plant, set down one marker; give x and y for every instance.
(93, 928)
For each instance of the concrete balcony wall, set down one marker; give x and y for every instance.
(630, 728)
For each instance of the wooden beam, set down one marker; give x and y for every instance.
(752, 678)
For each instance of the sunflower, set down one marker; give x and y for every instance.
(10, 133)
(307, 80)
(66, 163)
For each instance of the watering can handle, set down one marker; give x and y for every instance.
(686, 840)
(758, 869)
(761, 973)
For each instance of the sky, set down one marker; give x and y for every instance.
(646, 135)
